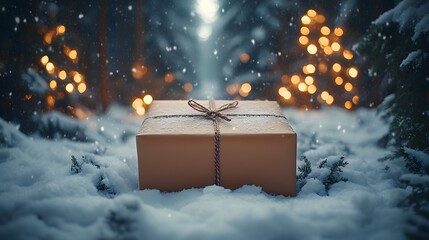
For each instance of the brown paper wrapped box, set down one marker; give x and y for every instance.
(175, 147)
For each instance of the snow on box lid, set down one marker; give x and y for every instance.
(247, 123)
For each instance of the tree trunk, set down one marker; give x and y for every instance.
(139, 31)
(104, 68)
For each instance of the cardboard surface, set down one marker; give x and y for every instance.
(176, 152)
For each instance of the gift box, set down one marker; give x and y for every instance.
(193, 144)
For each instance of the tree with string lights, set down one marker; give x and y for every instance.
(59, 64)
(326, 73)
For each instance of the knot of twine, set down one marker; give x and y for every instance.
(214, 114)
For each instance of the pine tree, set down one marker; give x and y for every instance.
(397, 49)
(400, 61)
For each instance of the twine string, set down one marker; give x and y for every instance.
(214, 114)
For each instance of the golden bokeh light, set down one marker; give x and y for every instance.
(328, 50)
(169, 77)
(323, 41)
(50, 101)
(295, 79)
(62, 75)
(244, 57)
(147, 99)
(138, 106)
(336, 67)
(302, 87)
(78, 78)
(348, 105)
(138, 102)
(47, 38)
(69, 87)
(243, 94)
(81, 88)
(72, 54)
(353, 72)
(50, 67)
(44, 60)
(312, 89)
(187, 87)
(325, 30)
(338, 31)
(348, 87)
(282, 91)
(232, 89)
(305, 20)
(309, 80)
(312, 49)
(320, 18)
(61, 29)
(347, 54)
(355, 99)
(286, 94)
(138, 70)
(335, 46)
(311, 13)
(324, 95)
(305, 31)
(140, 110)
(339, 80)
(330, 99)
(310, 68)
(303, 40)
(304, 69)
(246, 87)
(53, 84)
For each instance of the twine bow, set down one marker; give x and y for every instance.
(214, 114)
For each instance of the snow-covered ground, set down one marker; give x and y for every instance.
(40, 198)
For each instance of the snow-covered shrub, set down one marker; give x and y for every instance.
(56, 125)
(75, 167)
(304, 169)
(101, 181)
(35, 82)
(418, 201)
(417, 163)
(328, 171)
(9, 136)
(89, 159)
(103, 185)
(335, 166)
